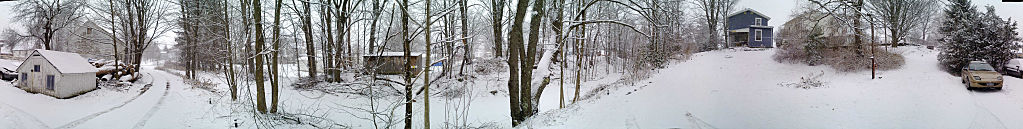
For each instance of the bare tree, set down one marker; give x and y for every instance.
(426, 69)
(496, 21)
(714, 11)
(900, 16)
(260, 39)
(406, 45)
(47, 18)
(306, 16)
(142, 21)
(275, 56)
(514, 53)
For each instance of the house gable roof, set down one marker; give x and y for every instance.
(65, 62)
(750, 10)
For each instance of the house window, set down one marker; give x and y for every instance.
(759, 22)
(24, 77)
(35, 68)
(49, 82)
(760, 35)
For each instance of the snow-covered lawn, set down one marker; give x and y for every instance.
(747, 89)
(166, 104)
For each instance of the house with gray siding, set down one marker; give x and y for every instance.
(749, 28)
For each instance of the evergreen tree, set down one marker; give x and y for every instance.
(971, 36)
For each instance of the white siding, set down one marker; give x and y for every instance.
(66, 85)
(72, 84)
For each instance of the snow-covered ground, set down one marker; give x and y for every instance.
(166, 104)
(717, 89)
(746, 89)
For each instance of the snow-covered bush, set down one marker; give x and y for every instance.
(810, 81)
(814, 38)
(971, 35)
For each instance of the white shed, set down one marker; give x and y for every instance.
(58, 74)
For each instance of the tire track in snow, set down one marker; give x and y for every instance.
(149, 114)
(24, 114)
(977, 104)
(79, 121)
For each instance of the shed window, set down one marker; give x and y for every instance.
(49, 82)
(760, 35)
(35, 68)
(759, 22)
(24, 77)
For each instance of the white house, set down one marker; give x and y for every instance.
(58, 74)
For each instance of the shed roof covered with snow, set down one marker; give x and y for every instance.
(66, 62)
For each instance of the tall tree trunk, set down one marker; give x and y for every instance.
(260, 94)
(426, 69)
(275, 69)
(467, 58)
(515, 50)
(328, 48)
(496, 14)
(232, 81)
(308, 31)
(529, 60)
(558, 27)
(341, 10)
(406, 45)
(377, 8)
(857, 27)
(579, 54)
(113, 38)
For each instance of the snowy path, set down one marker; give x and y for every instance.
(743, 89)
(134, 111)
(12, 114)
(149, 114)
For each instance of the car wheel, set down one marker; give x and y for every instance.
(998, 88)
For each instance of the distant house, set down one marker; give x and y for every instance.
(24, 48)
(392, 62)
(58, 74)
(91, 41)
(749, 28)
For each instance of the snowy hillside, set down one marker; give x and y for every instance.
(746, 89)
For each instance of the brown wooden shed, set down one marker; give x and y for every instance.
(391, 63)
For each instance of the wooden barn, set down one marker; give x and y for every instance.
(392, 63)
(58, 74)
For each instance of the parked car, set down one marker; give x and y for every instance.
(8, 75)
(979, 74)
(1012, 68)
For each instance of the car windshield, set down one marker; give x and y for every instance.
(981, 67)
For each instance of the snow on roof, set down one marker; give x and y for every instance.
(8, 65)
(751, 10)
(393, 54)
(66, 62)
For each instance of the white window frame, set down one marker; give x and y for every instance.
(759, 22)
(759, 35)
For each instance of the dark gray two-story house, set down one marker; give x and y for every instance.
(749, 28)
